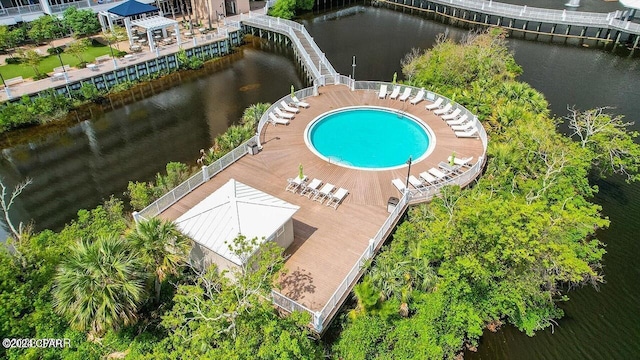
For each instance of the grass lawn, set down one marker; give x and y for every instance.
(51, 61)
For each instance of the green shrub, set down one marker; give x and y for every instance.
(13, 60)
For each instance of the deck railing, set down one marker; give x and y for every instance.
(276, 24)
(199, 178)
(529, 13)
(289, 28)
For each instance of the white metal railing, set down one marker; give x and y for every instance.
(529, 13)
(194, 181)
(276, 25)
(20, 10)
(290, 28)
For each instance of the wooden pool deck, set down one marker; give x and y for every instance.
(327, 242)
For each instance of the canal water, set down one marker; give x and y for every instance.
(80, 166)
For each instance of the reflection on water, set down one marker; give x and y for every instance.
(88, 162)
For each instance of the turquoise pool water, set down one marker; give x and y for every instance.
(368, 138)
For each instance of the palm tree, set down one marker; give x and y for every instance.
(253, 113)
(100, 285)
(162, 248)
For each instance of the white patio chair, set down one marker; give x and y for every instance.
(277, 120)
(400, 185)
(284, 115)
(395, 92)
(324, 193)
(419, 97)
(311, 189)
(337, 197)
(288, 108)
(405, 95)
(299, 103)
(461, 120)
(473, 133)
(444, 110)
(436, 104)
(452, 116)
(294, 183)
(383, 91)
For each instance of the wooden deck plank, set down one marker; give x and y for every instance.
(327, 242)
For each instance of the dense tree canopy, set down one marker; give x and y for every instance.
(508, 248)
(80, 22)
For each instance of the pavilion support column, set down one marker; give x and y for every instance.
(150, 38)
(177, 31)
(110, 21)
(103, 24)
(127, 26)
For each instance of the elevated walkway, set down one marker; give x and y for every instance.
(310, 56)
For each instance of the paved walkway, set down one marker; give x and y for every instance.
(30, 86)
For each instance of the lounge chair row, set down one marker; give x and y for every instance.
(285, 112)
(461, 125)
(434, 176)
(406, 94)
(313, 191)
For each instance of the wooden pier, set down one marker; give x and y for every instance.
(614, 27)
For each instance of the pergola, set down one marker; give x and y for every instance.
(134, 9)
(154, 23)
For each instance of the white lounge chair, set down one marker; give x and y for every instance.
(449, 169)
(419, 97)
(444, 110)
(294, 183)
(452, 116)
(284, 115)
(400, 185)
(416, 183)
(288, 108)
(311, 189)
(277, 120)
(324, 193)
(473, 133)
(461, 161)
(337, 197)
(463, 127)
(405, 95)
(395, 92)
(383, 91)
(299, 103)
(461, 120)
(437, 173)
(429, 178)
(436, 104)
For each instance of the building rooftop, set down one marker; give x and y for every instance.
(234, 209)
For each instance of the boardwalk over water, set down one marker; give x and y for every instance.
(606, 27)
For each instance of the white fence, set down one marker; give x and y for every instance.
(193, 182)
(529, 13)
(290, 28)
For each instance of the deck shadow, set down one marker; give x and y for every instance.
(301, 233)
(296, 284)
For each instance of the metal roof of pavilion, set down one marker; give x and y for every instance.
(154, 22)
(132, 8)
(234, 209)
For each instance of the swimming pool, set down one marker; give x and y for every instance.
(369, 138)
